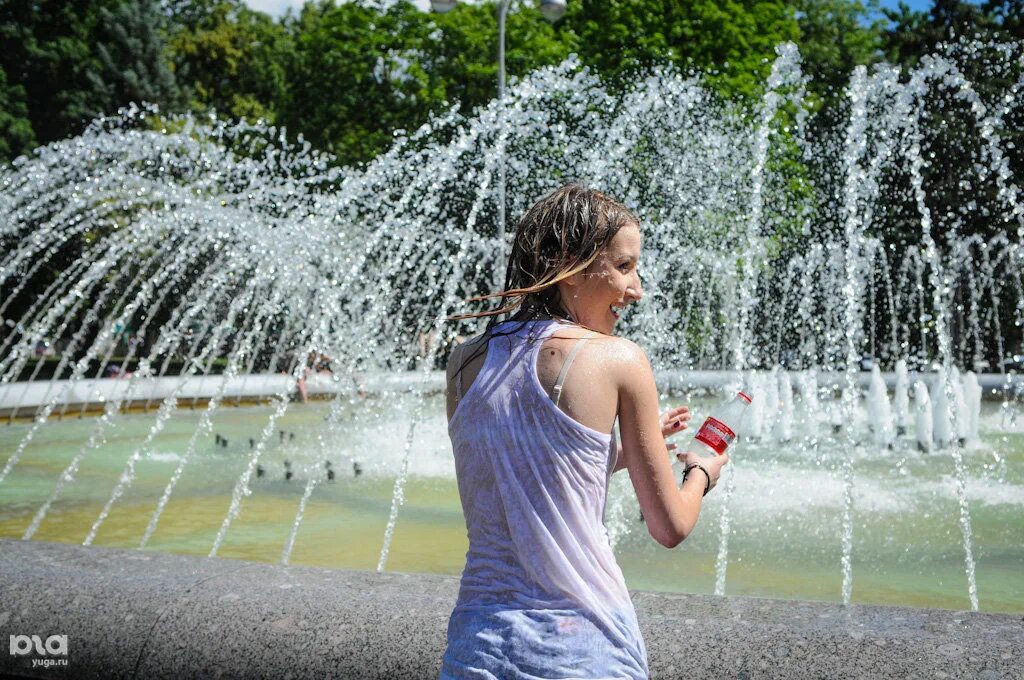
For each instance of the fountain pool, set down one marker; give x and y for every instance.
(785, 510)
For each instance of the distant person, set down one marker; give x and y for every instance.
(116, 371)
(43, 349)
(532, 403)
(316, 362)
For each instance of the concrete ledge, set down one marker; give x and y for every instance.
(24, 397)
(132, 614)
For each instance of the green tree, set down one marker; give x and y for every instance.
(1009, 14)
(16, 135)
(835, 37)
(460, 49)
(231, 58)
(732, 42)
(131, 53)
(362, 70)
(951, 124)
(46, 49)
(914, 34)
(347, 89)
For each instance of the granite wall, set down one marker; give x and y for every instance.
(134, 614)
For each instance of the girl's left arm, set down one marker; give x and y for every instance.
(673, 422)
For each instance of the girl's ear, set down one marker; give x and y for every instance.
(574, 280)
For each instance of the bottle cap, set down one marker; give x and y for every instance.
(745, 397)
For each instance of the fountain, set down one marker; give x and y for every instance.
(924, 425)
(880, 410)
(178, 267)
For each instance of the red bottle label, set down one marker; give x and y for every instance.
(716, 434)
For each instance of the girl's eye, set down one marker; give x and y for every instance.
(624, 266)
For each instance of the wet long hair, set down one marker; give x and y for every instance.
(560, 236)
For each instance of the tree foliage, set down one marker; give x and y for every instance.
(132, 59)
(359, 71)
(68, 61)
(347, 75)
(912, 34)
(734, 42)
(354, 76)
(835, 37)
(230, 58)
(45, 49)
(16, 135)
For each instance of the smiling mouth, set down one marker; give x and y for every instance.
(614, 313)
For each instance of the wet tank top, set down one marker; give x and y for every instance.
(541, 595)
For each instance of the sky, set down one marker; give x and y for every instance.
(278, 7)
(917, 5)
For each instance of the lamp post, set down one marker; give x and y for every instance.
(553, 10)
(502, 254)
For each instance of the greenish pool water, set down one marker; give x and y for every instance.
(785, 512)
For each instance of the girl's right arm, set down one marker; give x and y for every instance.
(454, 364)
(670, 510)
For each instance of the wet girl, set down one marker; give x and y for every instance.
(531, 405)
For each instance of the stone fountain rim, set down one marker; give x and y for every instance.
(151, 614)
(22, 397)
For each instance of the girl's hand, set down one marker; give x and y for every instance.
(673, 422)
(713, 464)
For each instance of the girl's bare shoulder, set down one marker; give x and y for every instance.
(617, 351)
(617, 357)
(624, 362)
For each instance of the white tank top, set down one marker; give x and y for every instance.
(541, 594)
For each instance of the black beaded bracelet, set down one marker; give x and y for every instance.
(707, 483)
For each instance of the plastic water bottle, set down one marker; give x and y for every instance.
(719, 429)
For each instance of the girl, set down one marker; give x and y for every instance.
(541, 595)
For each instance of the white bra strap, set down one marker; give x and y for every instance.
(556, 391)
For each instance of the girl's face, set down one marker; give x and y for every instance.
(595, 297)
